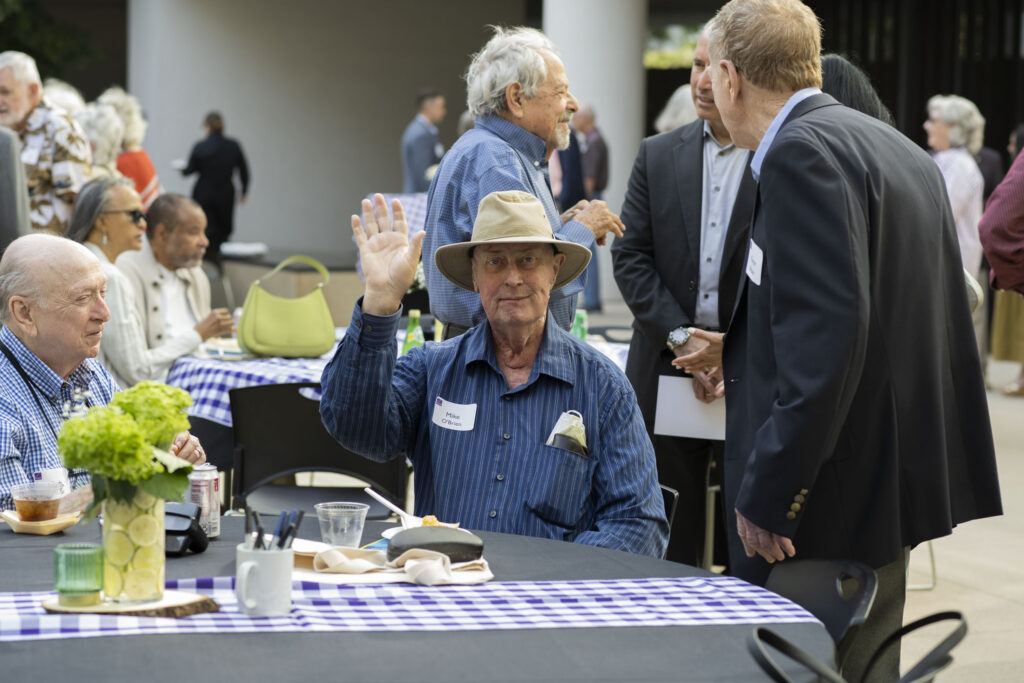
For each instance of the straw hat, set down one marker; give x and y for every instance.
(511, 217)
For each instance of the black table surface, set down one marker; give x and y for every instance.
(684, 653)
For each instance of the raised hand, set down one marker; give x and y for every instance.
(388, 255)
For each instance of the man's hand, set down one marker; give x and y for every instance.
(214, 325)
(600, 220)
(702, 352)
(772, 547)
(571, 213)
(186, 446)
(389, 257)
(707, 387)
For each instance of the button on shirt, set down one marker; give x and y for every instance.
(499, 475)
(723, 172)
(27, 442)
(494, 156)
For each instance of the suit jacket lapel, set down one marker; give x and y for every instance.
(735, 244)
(689, 166)
(741, 292)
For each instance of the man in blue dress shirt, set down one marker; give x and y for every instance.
(515, 426)
(517, 88)
(421, 148)
(52, 291)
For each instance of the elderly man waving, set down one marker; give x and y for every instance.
(515, 426)
(52, 292)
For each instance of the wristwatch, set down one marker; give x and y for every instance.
(677, 337)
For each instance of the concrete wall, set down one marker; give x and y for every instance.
(318, 93)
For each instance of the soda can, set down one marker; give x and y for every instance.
(204, 490)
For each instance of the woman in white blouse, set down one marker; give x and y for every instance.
(956, 130)
(108, 220)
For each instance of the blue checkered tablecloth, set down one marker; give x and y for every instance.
(208, 380)
(316, 607)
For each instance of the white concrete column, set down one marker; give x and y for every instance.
(602, 44)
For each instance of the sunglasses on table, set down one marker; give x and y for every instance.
(135, 214)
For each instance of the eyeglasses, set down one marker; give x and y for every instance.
(135, 214)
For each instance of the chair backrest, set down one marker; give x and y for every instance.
(671, 498)
(278, 432)
(816, 585)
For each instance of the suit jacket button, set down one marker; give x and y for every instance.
(795, 507)
(693, 285)
(803, 492)
(798, 498)
(790, 515)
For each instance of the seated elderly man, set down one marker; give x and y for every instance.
(171, 291)
(52, 290)
(515, 426)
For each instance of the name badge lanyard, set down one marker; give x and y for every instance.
(35, 390)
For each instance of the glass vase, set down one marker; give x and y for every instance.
(133, 549)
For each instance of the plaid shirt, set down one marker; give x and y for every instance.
(494, 471)
(495, 156)
(28, 443)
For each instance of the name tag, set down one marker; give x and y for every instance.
(457, 416)
(55, 474)
(755, 258)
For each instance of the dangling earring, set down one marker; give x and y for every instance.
(104, 240)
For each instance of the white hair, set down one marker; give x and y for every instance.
(32, 264)
(128, 108)
(64, 95)
(966, 124)
(23, 66)
(104, 130)
(512, 55)
(678, 111)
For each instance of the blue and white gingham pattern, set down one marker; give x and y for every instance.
(494, 156)
(27, 442)
(208, 381)
(691, 601)
(497, 473)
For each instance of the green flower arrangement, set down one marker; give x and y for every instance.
(124, 445)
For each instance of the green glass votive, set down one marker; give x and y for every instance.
(78, 573)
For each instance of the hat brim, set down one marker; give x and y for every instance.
(452, 260)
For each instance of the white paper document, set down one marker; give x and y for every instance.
(679, 413)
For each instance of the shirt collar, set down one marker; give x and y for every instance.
(42, 375)
(709, 136)
(773, 130)
(520, 139)
(553, 356)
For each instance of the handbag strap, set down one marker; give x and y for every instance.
(313, 263)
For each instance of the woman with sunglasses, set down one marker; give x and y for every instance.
(108, 220)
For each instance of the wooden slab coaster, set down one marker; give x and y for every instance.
(175, 604)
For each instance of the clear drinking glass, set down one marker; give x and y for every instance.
(341, 524)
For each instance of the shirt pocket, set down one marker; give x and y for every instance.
(562, 487)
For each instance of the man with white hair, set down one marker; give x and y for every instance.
(52, 293)
(54, 150)
(857, 424)
(515, 426)
(518, 90)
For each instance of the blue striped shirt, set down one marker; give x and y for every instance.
(496, 155)
(499, 475)
(27, 441)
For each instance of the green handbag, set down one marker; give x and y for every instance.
(291, 328)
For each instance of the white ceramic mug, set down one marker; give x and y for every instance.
(263, 583)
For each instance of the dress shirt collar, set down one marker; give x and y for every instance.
(426, 122)
(773, 130)
(709, 135)
(520, 139)
(46, 380)
(553, 356)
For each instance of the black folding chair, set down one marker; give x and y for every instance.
(671, 498)
(278, 432)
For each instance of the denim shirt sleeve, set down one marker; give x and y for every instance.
(370, 403)
(630, 511)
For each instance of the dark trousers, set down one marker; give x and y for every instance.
(884, 619)
(683, 465)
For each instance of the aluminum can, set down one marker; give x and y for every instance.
(204, 491)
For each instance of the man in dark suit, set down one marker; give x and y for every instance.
(421, 148)
(857, 425)
(678, 266)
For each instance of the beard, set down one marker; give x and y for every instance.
(562, 133)
(14, 116)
